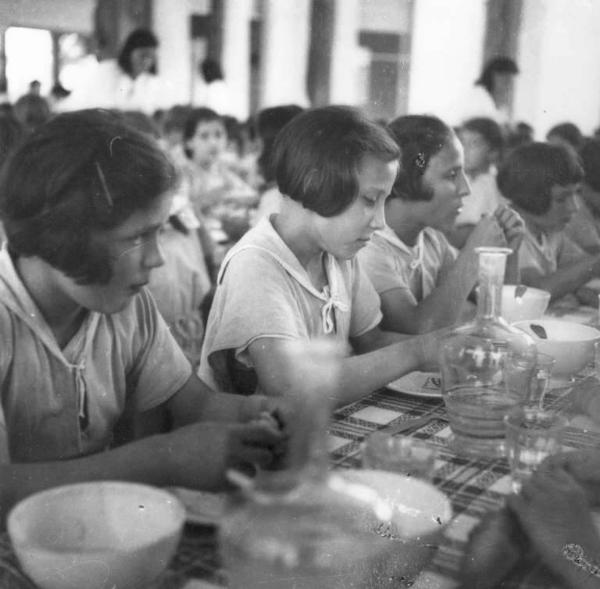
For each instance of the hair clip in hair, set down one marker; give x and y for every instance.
(105, 190)
(420, 161)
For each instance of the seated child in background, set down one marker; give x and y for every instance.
(567, 135)
(83, 342)
(214, 190)
(295, 277)
(181, 284)
(269, 122)
(172, 127)
(584, 227)
(542, 181)
(483, 144)
(422, 283)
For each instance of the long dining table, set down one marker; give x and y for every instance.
(474, 487)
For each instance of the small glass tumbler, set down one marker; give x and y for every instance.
(540, 379)
(403, 455)
(519, 370)
(532, 434)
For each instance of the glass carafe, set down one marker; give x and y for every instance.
(305, 527)
(486, 366)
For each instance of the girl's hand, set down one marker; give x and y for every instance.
(512, 225)
(279, 409)
(486, 233)
(199, 455)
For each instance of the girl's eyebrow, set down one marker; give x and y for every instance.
(142, 230)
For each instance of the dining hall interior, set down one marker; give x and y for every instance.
(300, 294)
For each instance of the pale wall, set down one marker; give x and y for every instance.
(447, 50)
(559, 58)
(172, 27)
(385, 15)
(68, 15)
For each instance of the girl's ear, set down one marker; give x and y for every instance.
(494, 156)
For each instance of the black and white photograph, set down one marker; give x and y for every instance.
(300, 294)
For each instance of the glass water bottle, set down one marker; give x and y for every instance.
(486, 366)
(306, 528)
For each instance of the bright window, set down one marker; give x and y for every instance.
(28, 58)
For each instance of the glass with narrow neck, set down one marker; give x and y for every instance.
(305, 527)
(486, 367)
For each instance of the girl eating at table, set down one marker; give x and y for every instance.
(542, 181)
(295, 276)
(83, 201)
(423, 282)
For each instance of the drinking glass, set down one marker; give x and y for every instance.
(532, 434)
(540, 379)
(404, 455)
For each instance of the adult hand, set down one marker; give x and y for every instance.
(581, 465)
(585, 397)
(199, 455)
(555, 514)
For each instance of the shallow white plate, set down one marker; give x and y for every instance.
(201, 507)
(419, 384)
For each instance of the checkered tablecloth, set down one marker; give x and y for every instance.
(473, 486)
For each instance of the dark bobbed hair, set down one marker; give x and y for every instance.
(82, 172)
(142, 122)
(568, 132)
(590, 160)
(211, 70)
(496, 65)
(419, 137)
(489, 129)
(12, 132)
(32, 111)
(195, 117)
(317, 155)
(269, 122)
(529, 172)
(137, 39)
(175, 118)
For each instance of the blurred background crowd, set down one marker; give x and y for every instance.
(215, 80)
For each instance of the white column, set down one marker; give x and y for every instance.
(345, 58)
(236, 55)
(446, 54)
(171, 24)
(285, 43)
(559, 60)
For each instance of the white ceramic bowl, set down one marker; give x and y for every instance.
(420, 513)
(570, 344)
(531, 305)
(96, 535)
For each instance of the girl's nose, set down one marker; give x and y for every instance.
(571, 204)
(378, 220)
(153, 255)
(464, 188)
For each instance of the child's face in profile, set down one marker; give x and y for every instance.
(345, 234)
(208, 142)
(479, 155)
(134, 250)
(445, 179)
(562, 207)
